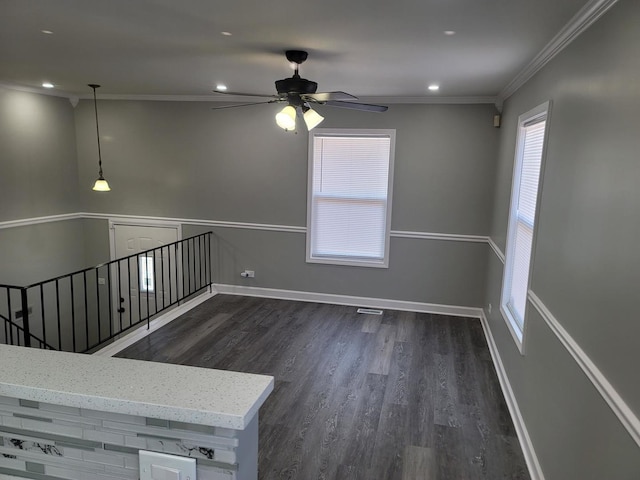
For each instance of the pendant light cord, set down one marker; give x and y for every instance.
(95, 107)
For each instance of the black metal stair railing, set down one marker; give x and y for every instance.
(83, 310)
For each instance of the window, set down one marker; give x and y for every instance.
(522, 216)
(146, 274)
(349, 205)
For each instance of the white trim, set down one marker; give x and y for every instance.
(541, 113)
(157, 323)
(626, 416)
(440, 236)
(535, 470)
(335, 299)
(349, 260)
(51, 92)
(170, 221)
(24, 222)
(496, 249)
(195, 221)
(582, 20)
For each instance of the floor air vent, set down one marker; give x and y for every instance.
(370, 311)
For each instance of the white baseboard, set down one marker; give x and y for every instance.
(157, 323)
(535, 470)
(349, 300)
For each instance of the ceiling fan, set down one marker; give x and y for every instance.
(299, 93)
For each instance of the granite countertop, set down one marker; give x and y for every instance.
(157, 390)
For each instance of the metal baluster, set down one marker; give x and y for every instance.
(42, 313)
(86, 310)
(139, 291)
(188, 268)
(110, 299)
(155, 285)
(98, 307)
(73, 312)
(169, 270)
(58, 314)
(25, 317)
(162, 277)
(10, 315)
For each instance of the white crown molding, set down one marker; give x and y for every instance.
(620, 408)
(496, 249)
(52, 92)
(535, 470)
(239, 98)
(74, 98)
(336, 299)
(586, 16)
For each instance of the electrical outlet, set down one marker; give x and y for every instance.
(248, 274)
(489, 309)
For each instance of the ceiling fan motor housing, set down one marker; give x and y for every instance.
(296, 85)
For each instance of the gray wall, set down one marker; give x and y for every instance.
(181, 159)
(586, 267)
(38, 169)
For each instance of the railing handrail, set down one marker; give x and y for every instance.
(110, 262)
(21, 329)
(197, 249)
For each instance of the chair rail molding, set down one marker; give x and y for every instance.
(624, 413)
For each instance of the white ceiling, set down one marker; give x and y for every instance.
(370, 48)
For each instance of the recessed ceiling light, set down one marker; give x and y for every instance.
(449, 32)
(433, 87)
(226, 34)
(47, 85)
(221, 87)
(48, 32)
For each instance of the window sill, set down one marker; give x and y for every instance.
(516, 332)
(350, 262)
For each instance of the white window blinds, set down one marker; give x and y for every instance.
(525, 189)
(349, 198)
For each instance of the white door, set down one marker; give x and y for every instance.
(144, 284)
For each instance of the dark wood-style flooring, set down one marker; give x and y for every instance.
(399, 396)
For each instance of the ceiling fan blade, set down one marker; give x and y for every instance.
(243, 105)
(356, 106)
(243, 94)
(326, 96)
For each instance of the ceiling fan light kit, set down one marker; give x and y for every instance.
(286, 118)
(299, 93)
(312, 118)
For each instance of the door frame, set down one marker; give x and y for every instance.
(133, 222)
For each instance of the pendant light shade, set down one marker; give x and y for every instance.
(312, 118)
(286, 118)
(101, 184)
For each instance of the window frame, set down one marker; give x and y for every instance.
(346, 260)
(533, 116)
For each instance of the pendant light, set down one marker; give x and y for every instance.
(101, 184)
